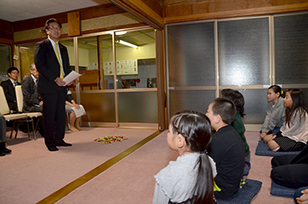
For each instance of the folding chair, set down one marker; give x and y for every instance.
(31, 115)
(5, 111)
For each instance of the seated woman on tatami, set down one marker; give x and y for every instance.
(293, 134)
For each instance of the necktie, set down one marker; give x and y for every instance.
(15, 83)
(58, 57)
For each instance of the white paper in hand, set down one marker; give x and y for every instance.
(71, 77)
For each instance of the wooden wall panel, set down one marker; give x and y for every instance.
(86, 13)
(73, 21)
(227, 5)
(142, 10)
(201, 7)
(38, 22)
(155, 5)
(6, 31)
(99, 11)
(178, 9)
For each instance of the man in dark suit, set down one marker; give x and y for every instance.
(51, 60)
(9, 88)
(32, 100)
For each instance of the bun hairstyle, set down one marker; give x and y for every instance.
(277, 89)
(196, 128)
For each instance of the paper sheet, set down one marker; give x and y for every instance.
(71, 77)
(79, 112)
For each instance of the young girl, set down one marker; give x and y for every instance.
(190, 177)
(275, 113)
(293, 134)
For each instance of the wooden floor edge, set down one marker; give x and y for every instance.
(62, 192)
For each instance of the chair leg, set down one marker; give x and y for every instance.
(28, 130)
(34, 135)
(13, 127)
(16, 131)
(37, 123)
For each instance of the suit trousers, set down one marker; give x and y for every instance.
(2, 129)
(54, 117)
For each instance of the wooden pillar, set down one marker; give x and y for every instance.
(161, 79)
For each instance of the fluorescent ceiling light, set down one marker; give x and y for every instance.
(120, 32)
(117, 32)
(127, 44)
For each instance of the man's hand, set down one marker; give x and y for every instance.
(59, 81)
(69, 84)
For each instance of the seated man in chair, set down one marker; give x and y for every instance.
(9, 88)
(32, 101)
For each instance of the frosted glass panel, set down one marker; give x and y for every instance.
(138, 107)
(99, 106)
(255, 105)
(190, 100)
(243, 47)
(291, 53)
(191, 54)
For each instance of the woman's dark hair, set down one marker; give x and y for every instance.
(222, 92)
(298, 106)
(196, 129)
(276, 89)
(237, 98)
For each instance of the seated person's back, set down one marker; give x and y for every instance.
(226, 148)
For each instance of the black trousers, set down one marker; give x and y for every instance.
(289, 174)
(54, 117)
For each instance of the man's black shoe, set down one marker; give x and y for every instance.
(6, 150)
(52, 149)
(63, 144)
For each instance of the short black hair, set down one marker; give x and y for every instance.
(225, 108)
(51, 20)
(12, 69)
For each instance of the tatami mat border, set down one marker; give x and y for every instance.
(54, 197)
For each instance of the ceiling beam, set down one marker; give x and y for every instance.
(141, 10)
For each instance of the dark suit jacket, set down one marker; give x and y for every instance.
(10, 95)
(31, 97)
(48, 66)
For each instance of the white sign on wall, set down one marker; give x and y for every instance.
(123, 67)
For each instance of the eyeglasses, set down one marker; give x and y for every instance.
(54, 28)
